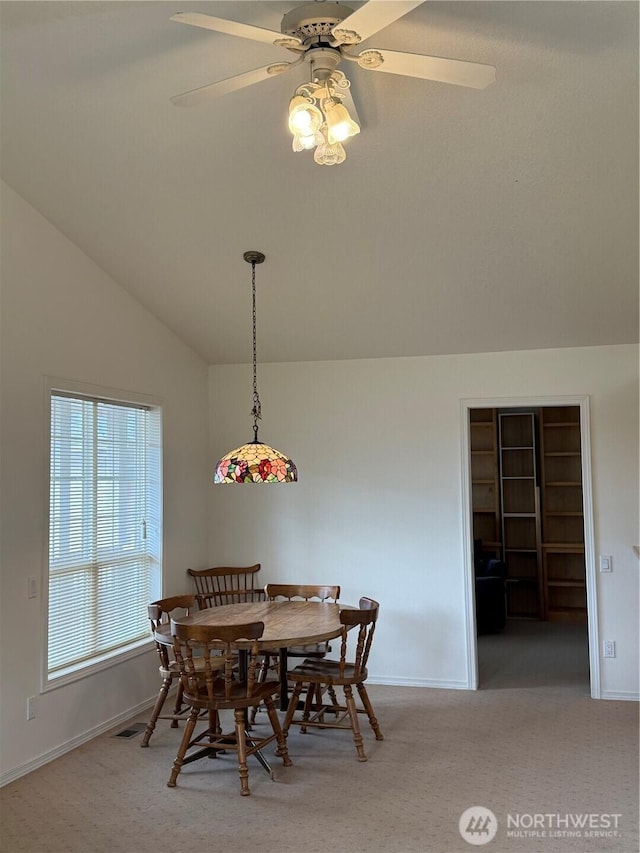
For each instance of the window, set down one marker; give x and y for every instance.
(104, 530)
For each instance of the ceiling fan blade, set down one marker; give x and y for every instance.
(230, 84)
(455, 71)
(371, 18)
(232, 28)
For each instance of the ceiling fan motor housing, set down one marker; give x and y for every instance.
(323, 62)
(314, 21)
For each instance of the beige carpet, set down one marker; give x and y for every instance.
(521, 751)
(535, 654)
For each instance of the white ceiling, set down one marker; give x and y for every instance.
(461, 221)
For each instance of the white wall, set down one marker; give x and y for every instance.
(62, 316)
(378, 507)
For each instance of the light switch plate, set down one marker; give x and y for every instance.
(605, 563)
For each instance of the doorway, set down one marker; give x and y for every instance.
(528, 523)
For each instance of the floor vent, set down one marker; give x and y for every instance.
(132, 731)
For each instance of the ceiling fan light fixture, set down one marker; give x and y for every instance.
(318, 117)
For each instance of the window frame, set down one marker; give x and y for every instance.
(154, 405)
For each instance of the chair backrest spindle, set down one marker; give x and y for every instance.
(366, 617)
(304, 592)
(159, 613)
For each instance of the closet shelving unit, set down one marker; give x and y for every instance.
(564, 585)
(485, 487)
(520, 499)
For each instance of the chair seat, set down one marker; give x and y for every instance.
(327, 672)
(174, 670)
(237, 696)
(312, 650)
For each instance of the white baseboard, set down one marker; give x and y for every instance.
(419, 682)
(22, 770)
(625, 696)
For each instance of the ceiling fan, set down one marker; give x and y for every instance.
(323, 34)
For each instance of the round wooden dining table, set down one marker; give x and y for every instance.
(286, 623)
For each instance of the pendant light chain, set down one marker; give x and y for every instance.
(257, 409)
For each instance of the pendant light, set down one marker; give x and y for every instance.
(255, 462)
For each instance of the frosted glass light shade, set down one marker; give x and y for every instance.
(340, 125)
(304, 117)
(304, 143)
(329, 154)
(255, 463)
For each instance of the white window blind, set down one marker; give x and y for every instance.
(104, 529)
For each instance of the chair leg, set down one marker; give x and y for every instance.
(355, 725)
(308, 704)
(265, 663)
(316, 702)
(293, 704)
(364, 696)
(333, 697)
(282, 750)
(162, 695)
(261, 676)
(214, 728)
(184, 744)
(243, 770)
(177, 708)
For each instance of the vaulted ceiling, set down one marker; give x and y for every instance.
(461, 221)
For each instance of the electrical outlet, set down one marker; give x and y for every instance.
(609, 648)
(32, 587)
(31, 708)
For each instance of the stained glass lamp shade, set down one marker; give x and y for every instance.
(255, 462)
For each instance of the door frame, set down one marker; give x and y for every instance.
(587, 499)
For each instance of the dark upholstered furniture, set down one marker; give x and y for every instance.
(490, 577)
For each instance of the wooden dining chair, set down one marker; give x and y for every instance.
(226, 585)
(160, 613)
(314, 674)
(295, 592)
(208, 689)
(303, 592)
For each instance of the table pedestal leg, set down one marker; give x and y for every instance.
(284, 684)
